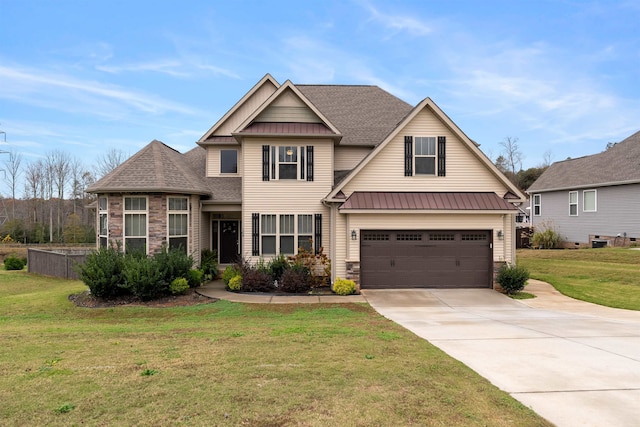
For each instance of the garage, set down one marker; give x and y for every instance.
(425, 259)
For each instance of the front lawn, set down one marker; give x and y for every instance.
(226, 364)
(605, 276)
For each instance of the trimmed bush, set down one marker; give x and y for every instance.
(235, 284)
(295, 280)
(344, 286)
(173, 263)
(145, 277)
(14, 263)
(257, 280)
(179, 286)
(512, 278)
(102, 272)
(195, 278)
(229, 273)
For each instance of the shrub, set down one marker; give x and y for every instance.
(318, 264)
(344, 286)
(145, 277)
(512, 278)
(256, 280)
(209, 264)
(277, 266)
(229, 273)
(173, 263)
(102, 272)
(547, 237)
(295, 280)
(235, 284)
(14, 263)
(179, 286)
(195, 278)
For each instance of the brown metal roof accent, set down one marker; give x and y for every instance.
(618, 165)
(280, 128)
(373, 200)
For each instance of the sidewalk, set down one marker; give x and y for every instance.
(217, 290)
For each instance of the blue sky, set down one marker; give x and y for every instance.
(86, 76)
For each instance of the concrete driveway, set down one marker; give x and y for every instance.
(574, 363)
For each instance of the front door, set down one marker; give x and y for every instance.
(228, 242)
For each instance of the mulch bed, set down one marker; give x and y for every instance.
(85, 299)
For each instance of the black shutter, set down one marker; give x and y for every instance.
(408, 156)
(442, 142)
(255, 234)
(265, 163)
(310, 163)
(317, 240)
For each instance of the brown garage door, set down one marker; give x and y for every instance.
(425, 259)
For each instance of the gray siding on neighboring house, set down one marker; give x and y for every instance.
(618, 212)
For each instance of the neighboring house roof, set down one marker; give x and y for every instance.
(448, 201)
(364, 115)
(619, 164)
(155, 168)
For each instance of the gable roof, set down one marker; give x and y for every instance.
(248, 124)
(619, 164)
(471, 145)
(364, 114)
(155, 168)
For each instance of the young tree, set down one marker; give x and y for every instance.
(13, 169)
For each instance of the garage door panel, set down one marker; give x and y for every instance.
(419, 258)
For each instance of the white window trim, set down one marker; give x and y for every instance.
(595, 200)
(278, 233)
(237, 161)
(105, 212)
(300, 163)
(178, 212)
(534, 204)
(134, 212)
(434, 156)
(576, 203)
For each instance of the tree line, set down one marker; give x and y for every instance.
(48, 201)
(509, 162)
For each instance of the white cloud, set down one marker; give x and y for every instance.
(398, 23)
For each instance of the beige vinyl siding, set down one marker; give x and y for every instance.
(213, 160)
(245, 110)
(285, 196)
(464, 171)
(502, 249)
(340, 247)
(347, 158)
(288, 108)
(195, 229)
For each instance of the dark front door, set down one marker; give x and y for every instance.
(228, 242)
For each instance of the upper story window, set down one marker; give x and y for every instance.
(425, 155)
(589, 202)
(228, 161)
(135, 224)
(537, 204)
(289, 162)
(178, 211)
(573, 203)
(103, 217)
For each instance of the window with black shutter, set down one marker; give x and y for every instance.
(310, 163)
(442, 142)
(318, 233)
(255, 234)
(408, 156)
(265, 163)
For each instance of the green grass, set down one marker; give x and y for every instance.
(605, 276)
(226, 364)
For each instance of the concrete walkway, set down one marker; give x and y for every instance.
(574, 363)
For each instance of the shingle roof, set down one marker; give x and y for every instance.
(452, 201)
(619, 164)
(363, 114)
(155, 168)
(222, 189)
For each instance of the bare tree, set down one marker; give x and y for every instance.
(547, 159)
(512, 154)
(13, 170)
(109, 161)
(61, 164)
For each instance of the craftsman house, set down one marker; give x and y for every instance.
(395, 195)
(592, 200)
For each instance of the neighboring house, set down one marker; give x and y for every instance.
(592, 200)
(395, 195)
